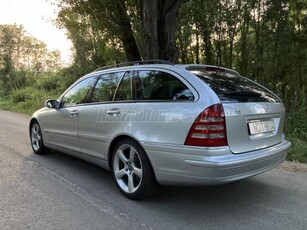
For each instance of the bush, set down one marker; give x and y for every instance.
(48, 82)
(30, 94)
(298, 151)
(296, 123)
(28, 100)
(22, 95)
(296, 132)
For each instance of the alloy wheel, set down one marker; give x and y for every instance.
(128, 170)
(36, 138)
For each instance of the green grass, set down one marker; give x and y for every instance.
(21, 107)
(298, 151)
(296, 132)
(26, 101)
(6, 105)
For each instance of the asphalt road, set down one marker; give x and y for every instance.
(56, 191)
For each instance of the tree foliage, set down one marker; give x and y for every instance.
(265, 40)
(136, 28)
(21, 54)
(20, 51)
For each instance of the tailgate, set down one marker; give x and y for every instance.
(252, 126)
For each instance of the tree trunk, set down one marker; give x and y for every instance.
(167, 20)
(197, 44)
(182, 47)
(230, 52)
(244, 35)
(150, 30)
(208, 50)
(159, 29)
(126, 33)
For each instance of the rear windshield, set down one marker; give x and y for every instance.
(235, 88)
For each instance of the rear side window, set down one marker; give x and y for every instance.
(158, 85)
(124, 90)
(234, 88)
(105, 87)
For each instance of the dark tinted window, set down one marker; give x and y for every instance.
(105, 88)
(78, 93)
(234, 88)
(158, 85)
(124, 91)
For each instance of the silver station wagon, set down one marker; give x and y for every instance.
(165, 124)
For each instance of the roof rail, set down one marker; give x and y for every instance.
(141, 62)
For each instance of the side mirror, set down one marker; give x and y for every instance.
(53, 104)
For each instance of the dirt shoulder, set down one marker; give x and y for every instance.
(293, 167)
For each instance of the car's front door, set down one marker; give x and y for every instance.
(62, 125)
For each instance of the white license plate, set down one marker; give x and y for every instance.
(257, 127)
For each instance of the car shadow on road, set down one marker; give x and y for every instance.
(179, 205)
(75, 170)
(249, 189)
(241, 201)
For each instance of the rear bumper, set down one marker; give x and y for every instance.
(181, 165)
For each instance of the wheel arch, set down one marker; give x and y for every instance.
(33, 119)
(113, 145)
(148, 185)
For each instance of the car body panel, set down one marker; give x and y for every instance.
(62, 128)
(155, 121)
(238, 115)
(181, 165)
(97, 122)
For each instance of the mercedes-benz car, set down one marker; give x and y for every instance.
(167, 124)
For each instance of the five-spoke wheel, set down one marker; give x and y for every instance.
(36, 138)
(132, 170)
(128, 168)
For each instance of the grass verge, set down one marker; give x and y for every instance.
(27, 106)
(298, 151)
(21, 107)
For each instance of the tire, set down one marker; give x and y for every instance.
(36, 139)
(132, 170)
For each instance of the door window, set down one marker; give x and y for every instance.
(106, 87)
(124, 91)
(78, 93)
(158, 85)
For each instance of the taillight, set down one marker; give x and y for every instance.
(209, 128)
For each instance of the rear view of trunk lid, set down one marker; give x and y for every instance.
(253, 126)
(254, 116)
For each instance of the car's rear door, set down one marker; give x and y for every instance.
(110, 101)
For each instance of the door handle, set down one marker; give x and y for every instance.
(74, 113)
(113, 112)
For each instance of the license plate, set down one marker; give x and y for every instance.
(257, 127)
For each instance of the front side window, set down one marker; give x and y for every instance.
(158, 85)
(106, 87)
(78, 93)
